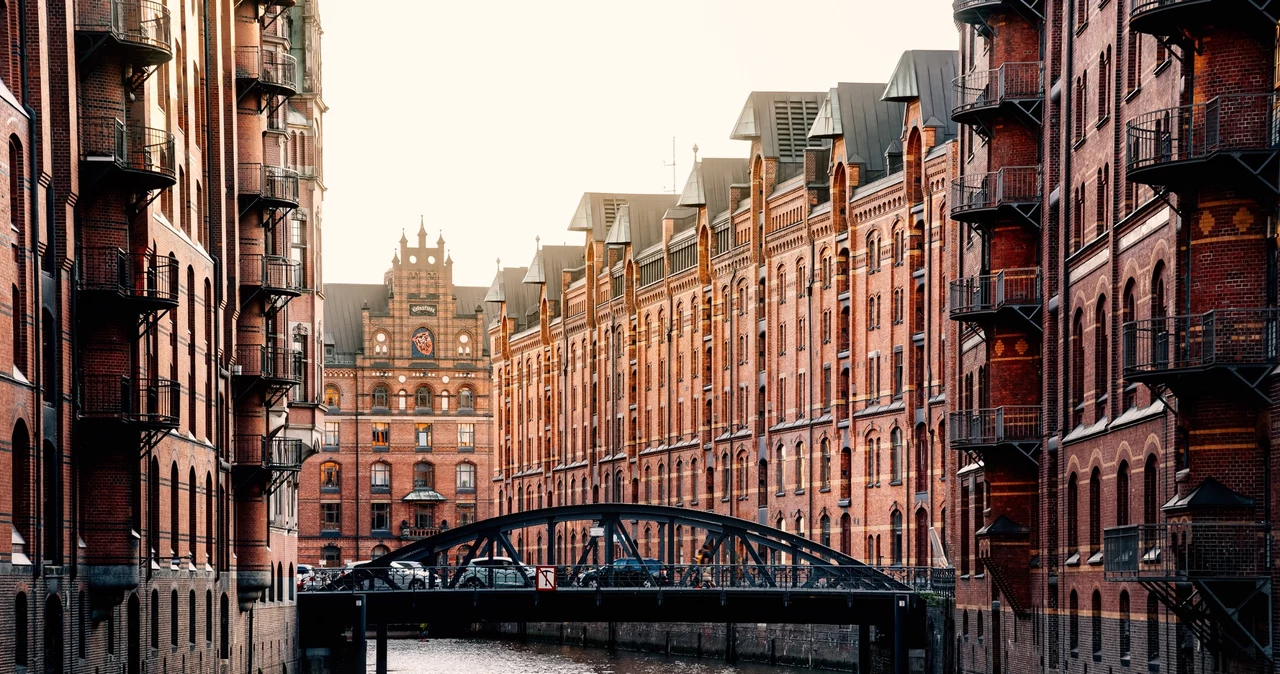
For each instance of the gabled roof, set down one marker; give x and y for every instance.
(597, 211)
(343, 317)
(870, 126)
(638, 221)
(781, 121)
(1210, 494)
(550, 262)
(509, 286)
(709, 181)
(927, 75)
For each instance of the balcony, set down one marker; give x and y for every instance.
(1228, 140)
(139, 29)
(272, 274)
(270, 186)
(1012, 91)
(408, 533)
(143, 282)
(147, 403)
(998, 430)
(122, 154)
(1224, 349)
(1009, 291)
(978, 12)
(270, 72)
(270, 453)
(1012, 193)
(1174, 18)
(268, 365)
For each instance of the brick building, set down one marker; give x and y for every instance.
(1115, 332)
(407, 433)
(157, 413)
(766, 344)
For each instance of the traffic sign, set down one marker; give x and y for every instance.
(545, 578)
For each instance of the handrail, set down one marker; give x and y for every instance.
(137, 275)
(1011, 81)
(991, 292)
(1009, 185)
(1216, 338)
(1010, 423)
(1237, 122)
(129, 145)
(142, 22)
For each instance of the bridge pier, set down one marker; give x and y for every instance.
(730, 643)
(359, 643)
(864, 649)
(612, 644)
(900, 617)
(380, 649)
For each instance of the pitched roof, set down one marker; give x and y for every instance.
(509, 286)
(343, 318)
(709, 181)
(550, 262)
(927, 75)
(1210, 494)
(869, 125)
(781, 121)
(598, 211)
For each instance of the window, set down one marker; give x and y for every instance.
(1101, 356)
(422, 399)
(21, 629)
(443, 399)
(466, 477)
(332, 397)
(800, 478)
(330, 516)
(466, 435)
(1095, 512)
(1125, 642)
(422, 435)
(424, 475)
(1122, 494)
(1096, 620)
(898, 372)
(331, 434)
(381, 435)
(380, 477)
(380, 396)
(331, 555)
(825, 472)
(1153, 632)
(466, 513)
(466, 399)
(330, 476)
(1073, 629)
(895, 456)
(379, 516)
(1130, 346)
(895, 523)
(1104, 84)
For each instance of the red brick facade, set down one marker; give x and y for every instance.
(1115, 334)
(765, 345)
(149, 457)
(407, 433)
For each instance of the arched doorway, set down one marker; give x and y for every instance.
(846, 535)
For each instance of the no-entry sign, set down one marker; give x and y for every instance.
(545, 578)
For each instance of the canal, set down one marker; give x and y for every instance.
(483, 656)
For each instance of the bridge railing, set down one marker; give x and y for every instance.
(651, 575)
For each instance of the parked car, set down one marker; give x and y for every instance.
(496, 572)
(629, 572)
(413, 575)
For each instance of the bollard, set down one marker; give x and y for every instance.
(380, 649)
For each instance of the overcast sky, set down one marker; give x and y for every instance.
(491, 119)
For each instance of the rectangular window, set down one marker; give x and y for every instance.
(381, 435)
(466, 514)
(422, 434)
(826, 388)
(466, 435)
(330, 516)
(331, 434)
(897, 372)
(380, 516)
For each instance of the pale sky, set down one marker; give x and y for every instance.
(492, 118)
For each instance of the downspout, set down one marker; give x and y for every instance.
(37, 343)
(667, 336)
(217, 260)
(808, 347)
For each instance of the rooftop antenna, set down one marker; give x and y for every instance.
(672, 165)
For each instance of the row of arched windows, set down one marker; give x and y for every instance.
(423, 399)
(424, 476)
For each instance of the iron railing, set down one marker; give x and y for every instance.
(271, 271)
(1219, 338)
(1233, 123)
(1179, 550)
(937, 580)
(270, 67)
(415, 533)
(273, 453)
(153, 401)
(140, 22)
(269, 362)
(269, 182)
(1011, 423)
(988, 88)
(139, 276)
(1009, 185)
(992, 292)
(128, 145)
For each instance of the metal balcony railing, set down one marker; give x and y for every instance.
(132, 276)
(415, 533)
(995, 426)
(1182, 550)
(273, 68)
(1234, 123)
(1160, 16)
(144, 23)
(268, 362)
(1014, 81)
(992, 292)
(271, 453)
(150, 401)
(269, 182)
(1219, 338)
(272, 272)
(1005, 187)
(129, 146)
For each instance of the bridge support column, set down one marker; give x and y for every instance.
(612, 644)
(359, 645)
(730, 643)
(900, 612)
(864, 649)
(381, 649)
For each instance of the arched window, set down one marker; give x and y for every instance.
(824, 529)
(895, 455)
(380, 477)
(825, 471)
(1101, 358)
(330, 476)
(1095, 512)
(422, 399)
(1149, 497)
(21, 629)
(173, 618)
(175, 486)
(1126, 646)
(1122, 494)
(332, 397)
(380, 396)
(466, 477)
(800, 481)
(1153, 631)
(443, 399)
(464, 344)
(780, 462)
(424, 475)
(1073, 514)
(466, 399)
(155, 618)
(1073, 627)
(402, 400)
(1096, 619)
(1130, 336)
(895, 523)
(379, 550)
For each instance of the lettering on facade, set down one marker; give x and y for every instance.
(422, 310)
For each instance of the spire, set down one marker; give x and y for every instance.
(403, 239)
(440, 239)
(448, 260)
(395, 258)
(422, 232)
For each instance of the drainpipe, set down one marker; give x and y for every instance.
(808, 338)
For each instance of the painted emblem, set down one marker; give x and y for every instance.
(423, 343)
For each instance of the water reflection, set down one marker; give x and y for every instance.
(458, 656)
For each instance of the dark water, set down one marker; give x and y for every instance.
(475, 656)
